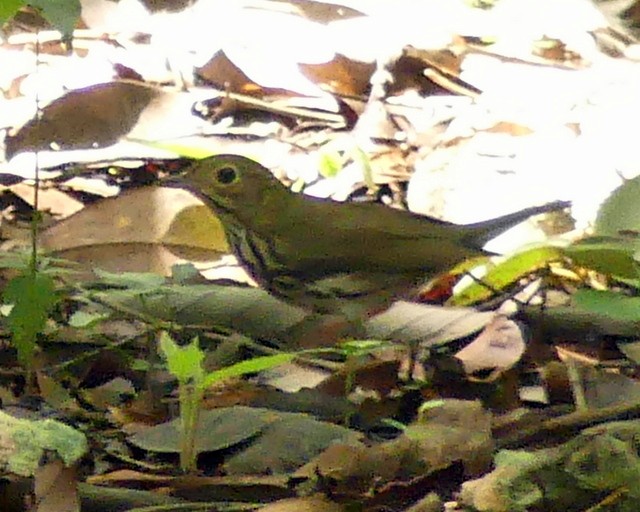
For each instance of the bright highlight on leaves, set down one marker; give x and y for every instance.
(257, 364)
(183, 362)
(506, 273)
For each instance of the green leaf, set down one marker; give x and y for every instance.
(84, 319)
(140, 365)
(330, 163)
(183, 362)
(254, 365)
(8, 8)
(506, 273)
(62, 14)
(357, 347)
(183, 273)
(607, 255)
(611, 304)
(364, 161)
(250, 311)
(620, 212)
(33, 297)
(217, 429)
(132, 280)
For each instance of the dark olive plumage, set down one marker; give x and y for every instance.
(331, 256)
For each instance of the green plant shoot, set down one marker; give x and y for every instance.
(185, 363)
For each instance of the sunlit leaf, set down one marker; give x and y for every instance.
(254, 365)
(330, 164)
(84, 319)
(506, 273)
(184, 362)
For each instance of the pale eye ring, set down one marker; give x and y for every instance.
(226, 175)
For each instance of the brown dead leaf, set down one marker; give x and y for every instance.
(380, 376)
(515, 129)
(322, 12)
(255, 487)
(56, 488)
(131, 478)
(307, 504)
(498, 347)
(342, 75)
(145, 229)
(85, 118)
(55, 394)
(555, 50)
(447, 432)
(55, 201)
(223, 73)
(100, 115)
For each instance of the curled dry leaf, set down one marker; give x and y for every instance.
(146, 229)
(86, 118)
(498, 347)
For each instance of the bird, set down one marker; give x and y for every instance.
(326, 256)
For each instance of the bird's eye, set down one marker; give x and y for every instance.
(226, 175)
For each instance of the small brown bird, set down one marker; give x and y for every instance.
(331, 257)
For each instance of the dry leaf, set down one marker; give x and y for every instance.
(498, 347)
(145, 229)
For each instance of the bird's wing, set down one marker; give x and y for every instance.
(366, 238)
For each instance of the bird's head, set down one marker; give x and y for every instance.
(229, 183)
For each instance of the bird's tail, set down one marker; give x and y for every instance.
(478, 234)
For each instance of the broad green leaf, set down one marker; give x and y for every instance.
(33, 297)
(183, 362)
(506, 273)
(254, 365)
(8, 8)
(364, 161)
(218, 429)
(286, 443)
(140, 365)
(611, 304)
(273, 442)
(62, 14)
(607, 255)
(621, 211)
(250, 311)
